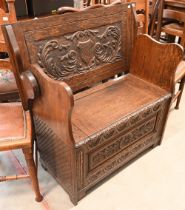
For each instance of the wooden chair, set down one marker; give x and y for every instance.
(93, 2)
(3, 5)
(8, 87)
(142, 15)
(84, 136)
(140, 7)
(16, 132)
(178, 5)
(157, 13)
(175, 27)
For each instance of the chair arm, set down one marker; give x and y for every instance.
(30, 87)
(54, 104)
(156, 62)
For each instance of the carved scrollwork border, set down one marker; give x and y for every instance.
(123, 158)
(80, 52)
(121, 125)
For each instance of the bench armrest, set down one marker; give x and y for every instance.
(156, 62)
(52, 101)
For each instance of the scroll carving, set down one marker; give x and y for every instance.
(109, 150)
(124, 124)
(80, 52)
(126, 155)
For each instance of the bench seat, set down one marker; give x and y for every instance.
(95, 110)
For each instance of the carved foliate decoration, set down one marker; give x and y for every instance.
(111, 149)
(122, 158)
(124, 140)
(116, 129)
(80, 52)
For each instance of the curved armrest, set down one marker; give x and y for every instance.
(54, 104)
(30, 87)
(156, 62)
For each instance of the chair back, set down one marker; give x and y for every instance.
(167, 15)
(173, 14)
(175, 5)
(73, 46)
(10, 15)
(7, 16)
(3, 5)
(142, 14)
(100, 2)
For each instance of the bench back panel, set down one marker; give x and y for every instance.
(79, 48)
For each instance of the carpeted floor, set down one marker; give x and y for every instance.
(156, 181)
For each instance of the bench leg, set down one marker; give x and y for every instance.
(43, 165)
(75, 198)
(81, 194)
(32, 173)
(181, 87)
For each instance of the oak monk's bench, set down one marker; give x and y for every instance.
(84, 136)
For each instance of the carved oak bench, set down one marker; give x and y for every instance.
(85, 136)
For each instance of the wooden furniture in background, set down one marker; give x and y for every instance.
(179, 80)
(16, 133)
(8, 87)
(6, 17)
(142, 11)
(172, 22)
(178, 5)
(3, 5)
(100, 2)
(84, 137)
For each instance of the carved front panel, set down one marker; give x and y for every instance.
(125, 139)
(109, 149)
(72, 54)
(122, 158)
(116, 129)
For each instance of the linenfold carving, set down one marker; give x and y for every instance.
(80, 52)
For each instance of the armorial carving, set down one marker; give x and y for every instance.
(80, 52)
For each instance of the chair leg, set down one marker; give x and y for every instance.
(28, 153)
(181, 87)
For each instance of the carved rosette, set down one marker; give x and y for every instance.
(80, 52)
